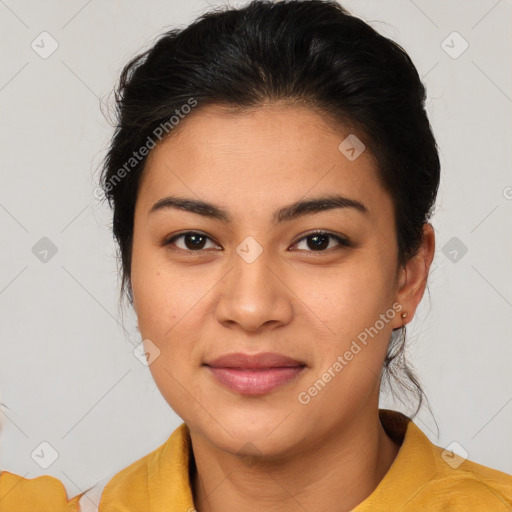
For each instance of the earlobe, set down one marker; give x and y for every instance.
(414, 276)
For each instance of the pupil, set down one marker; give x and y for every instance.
(196, 241)
(324, 241)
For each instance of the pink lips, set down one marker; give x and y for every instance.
(254, 374)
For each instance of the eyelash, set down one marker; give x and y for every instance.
(343, 242)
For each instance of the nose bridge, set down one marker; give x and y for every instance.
(251, 270)
(252, 294)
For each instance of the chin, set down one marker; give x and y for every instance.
(245, 432)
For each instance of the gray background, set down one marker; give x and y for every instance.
(68, 375)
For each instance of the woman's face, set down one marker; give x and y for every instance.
(255, 281)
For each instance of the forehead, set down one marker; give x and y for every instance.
(271, 155)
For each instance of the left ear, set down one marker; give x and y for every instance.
(413, 278)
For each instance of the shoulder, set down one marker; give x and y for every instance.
(463, 484)
(43, 493)
(130, 488)
(48, 494)
(425, 476)
(460, 481)
(127, 487)
(466, 483)
(160, 478)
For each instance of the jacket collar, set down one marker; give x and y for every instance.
(161, 479)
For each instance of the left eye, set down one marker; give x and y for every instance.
(320, 241)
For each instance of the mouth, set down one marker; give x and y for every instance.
(254, 374)
(255, 382)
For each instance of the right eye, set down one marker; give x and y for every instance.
(193, 241)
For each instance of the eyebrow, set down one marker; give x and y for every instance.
(286, 213)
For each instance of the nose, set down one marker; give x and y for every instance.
(254, 295)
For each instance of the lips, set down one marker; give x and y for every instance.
(254, 374)
(254, 361)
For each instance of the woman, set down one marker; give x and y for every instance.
(272, 177)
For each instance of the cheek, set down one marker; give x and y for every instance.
(355, 297)
(352, 305)
(162, 295)
(166, 306)
(169, 303)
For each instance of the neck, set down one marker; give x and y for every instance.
(334, 474)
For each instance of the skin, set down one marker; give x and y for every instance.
(271, 452)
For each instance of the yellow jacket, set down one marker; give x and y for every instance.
(423, 477)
